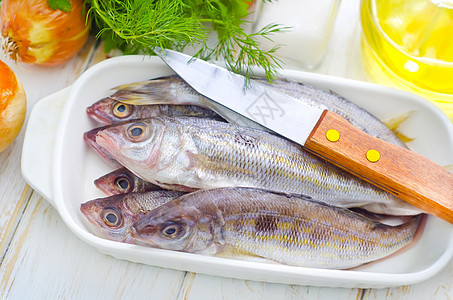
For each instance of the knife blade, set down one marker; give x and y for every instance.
(404, 173)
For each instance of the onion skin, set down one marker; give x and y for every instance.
(250, 3)
(35, 33)
(13, 106)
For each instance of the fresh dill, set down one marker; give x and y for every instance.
(63, 5)
(138, 26)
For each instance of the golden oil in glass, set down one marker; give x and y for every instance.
(409, 44)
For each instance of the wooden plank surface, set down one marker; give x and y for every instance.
(47, 261)
(42, 259)
(38, 82)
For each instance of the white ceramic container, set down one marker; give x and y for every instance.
(60, 166)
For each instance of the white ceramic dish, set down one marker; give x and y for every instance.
(59, 165)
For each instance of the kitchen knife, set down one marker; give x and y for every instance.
(399, 171)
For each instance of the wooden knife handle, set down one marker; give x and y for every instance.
(404, 173)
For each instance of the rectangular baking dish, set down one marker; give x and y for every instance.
(60, 166)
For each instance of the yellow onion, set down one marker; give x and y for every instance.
(13, 106)
(32, 32)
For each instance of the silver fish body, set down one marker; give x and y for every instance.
(123, 181)
(108, 111)
(112, 217)
(201, 154)
(174, 90)
(289, 229)
(356, 115)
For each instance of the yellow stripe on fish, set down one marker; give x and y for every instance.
(285, 228)
(192, 153)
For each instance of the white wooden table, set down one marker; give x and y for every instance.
(42, 259)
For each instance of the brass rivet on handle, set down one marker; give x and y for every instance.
(332, 135)
(373, 155)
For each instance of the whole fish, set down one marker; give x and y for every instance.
(123, 181)
(112, 217)
(108, 111)
(174, 90)
(186, 153)
(284, 228)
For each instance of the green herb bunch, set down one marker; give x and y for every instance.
(138, 26)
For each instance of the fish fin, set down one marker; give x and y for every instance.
(212, 250)
(231, 252)
(395, 122)
(146, 85)
(134, 98)
(398, 208)
(449, 168)
(333, 93)
(133, 86)
(391, 220)
(197, 160)
(154, 91)
(200, 162)
(175, 187)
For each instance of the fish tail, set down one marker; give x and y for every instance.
(416, 226)
(395, 122)
(400, 236)
(419, 223)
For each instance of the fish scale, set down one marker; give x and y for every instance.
(174, 90)
(301, 238)
(107, 111)
(269, 160)
(201, 153)
(289, 229)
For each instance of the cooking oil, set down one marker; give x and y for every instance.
(409, 44)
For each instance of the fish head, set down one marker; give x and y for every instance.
(90, 139)
(109, 111)
(117, 182)
(173, 227)
(108, 217)
(134, 144)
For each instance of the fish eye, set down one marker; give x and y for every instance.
(122, 110)
(172, 230)
(112, 217)
(138, 132)
(123, 184)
